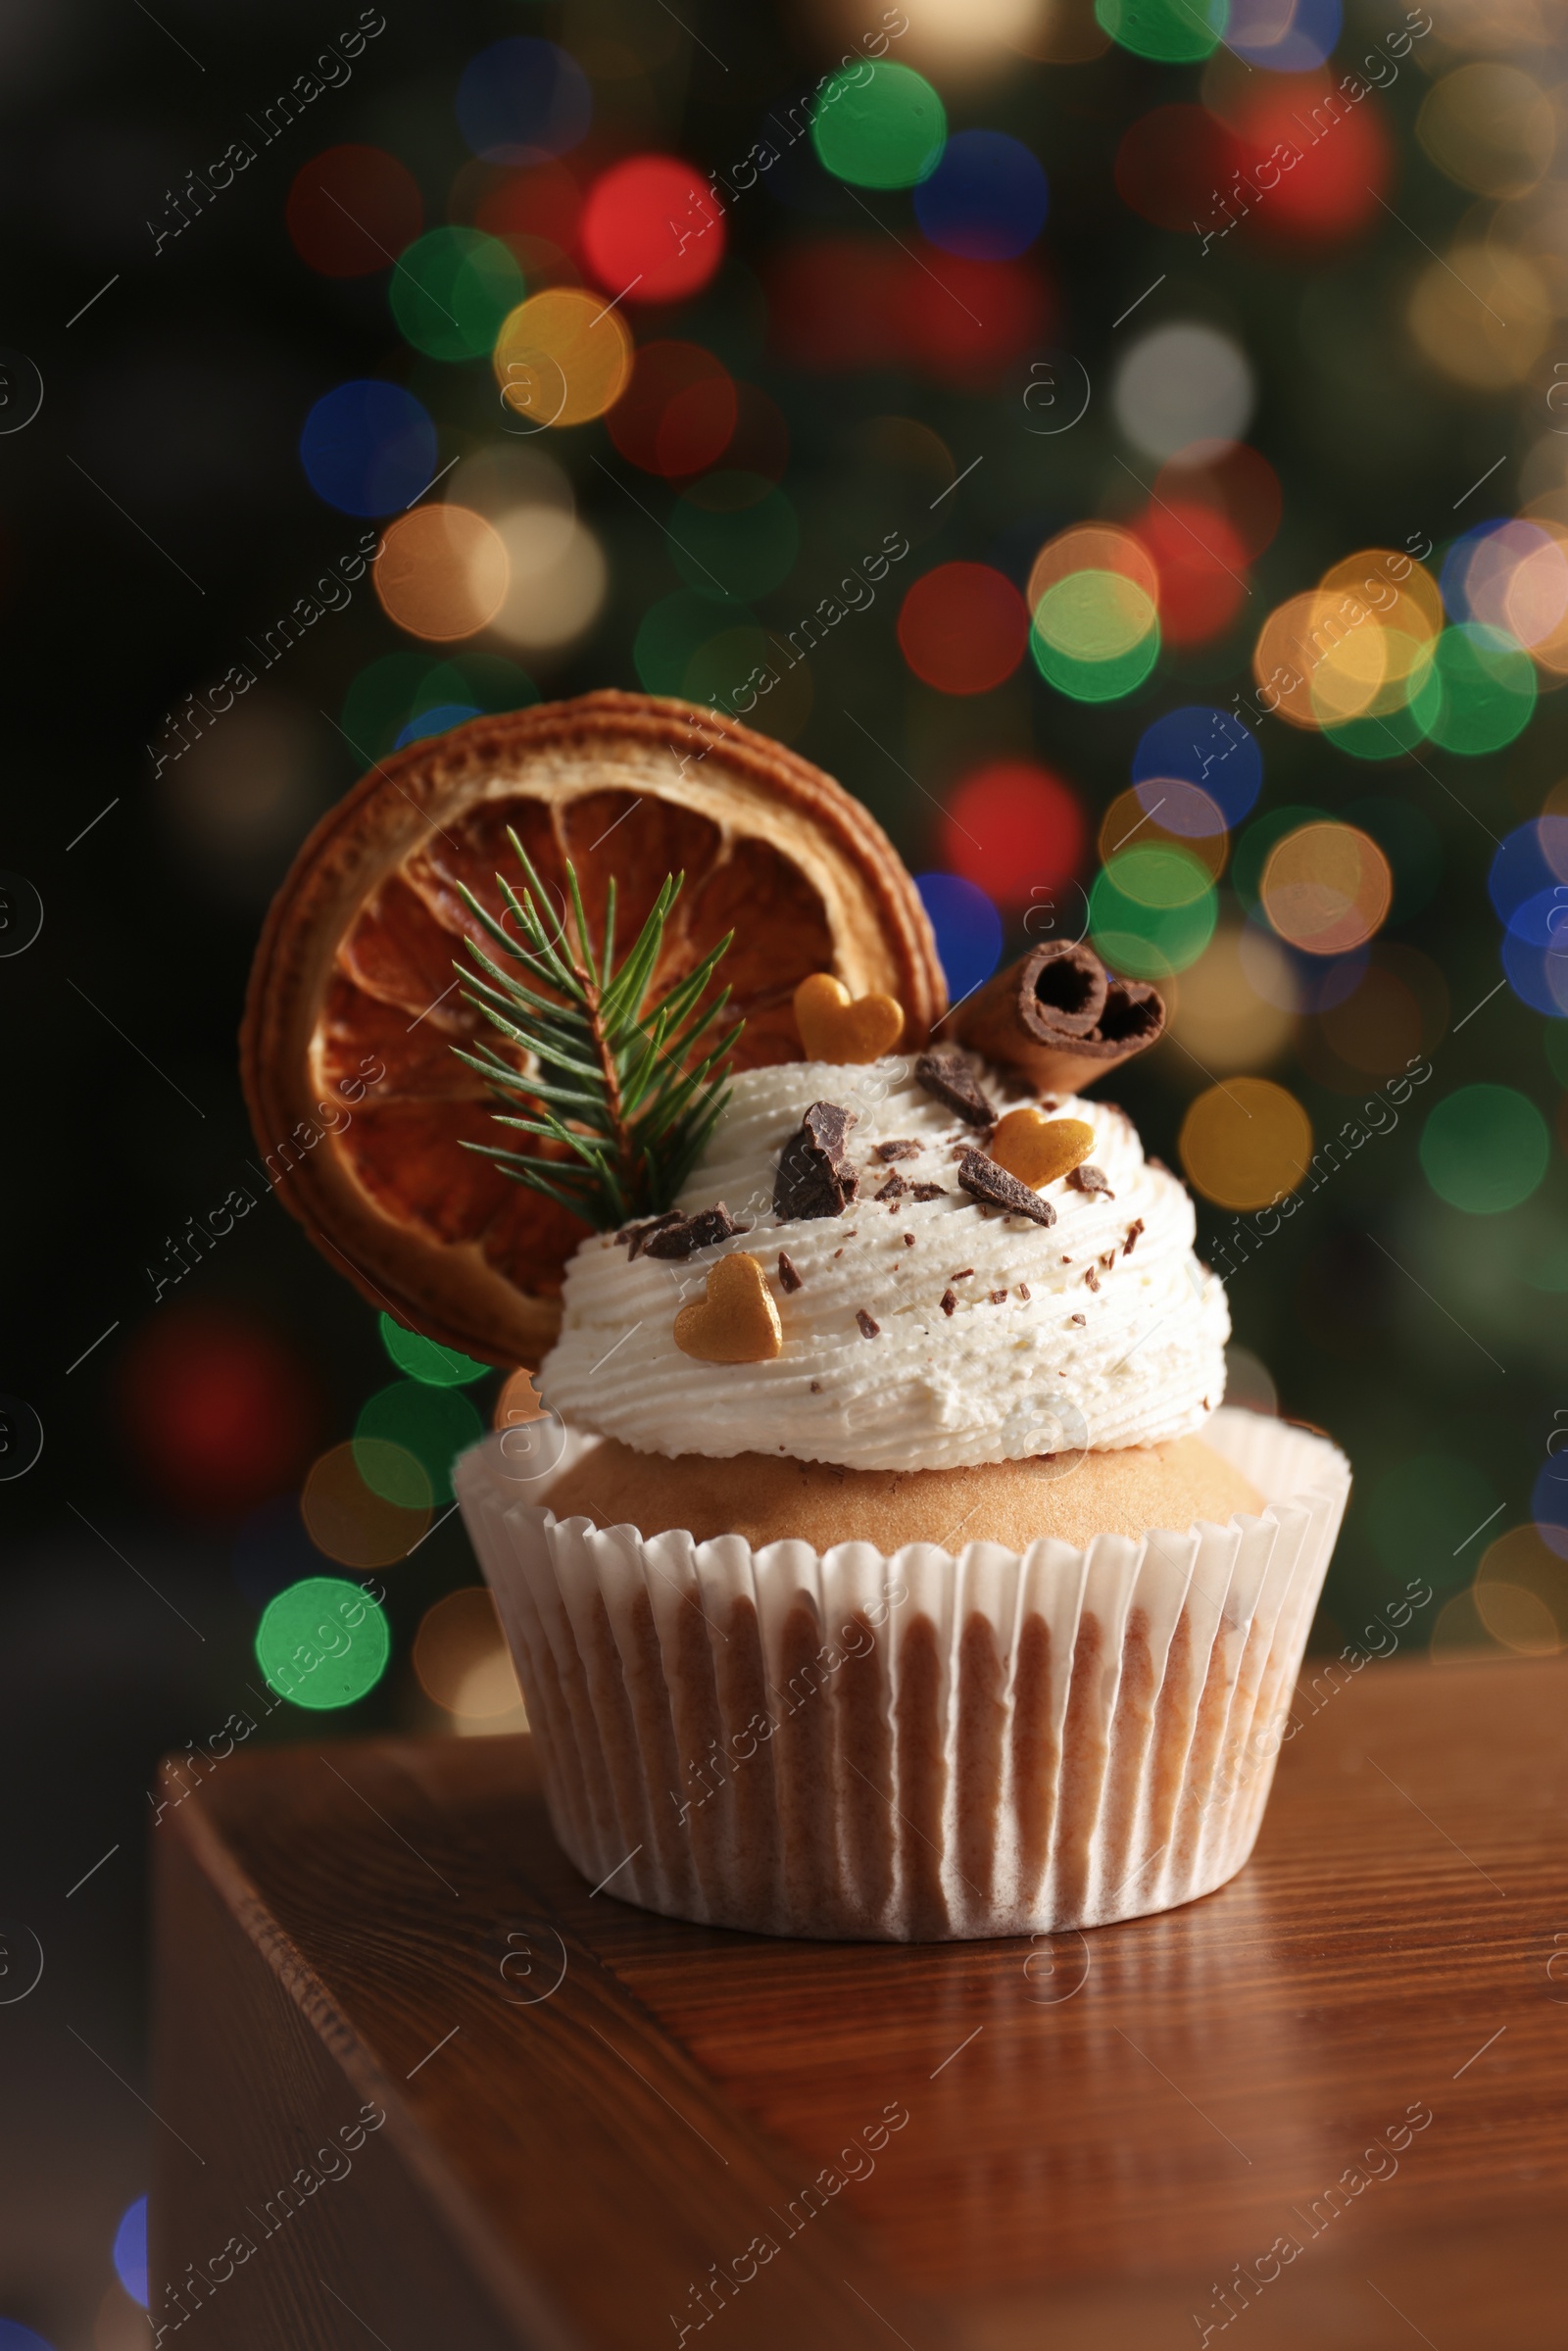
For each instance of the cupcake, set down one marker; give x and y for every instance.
(883, 1565)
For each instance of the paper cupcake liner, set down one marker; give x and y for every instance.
(913, 1748)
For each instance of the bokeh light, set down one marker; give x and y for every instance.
(351, 211)
(451, 290)
(1246, 1142)
(1096, 635)
(355, 1525)
(219, 1412)
(368, 448)
(322, 1644)
(1170, 33)
(442, 572)
(1521, 1591)
(652, 229)
(562, 358)
(963, 628)
(1232, 480)
(986, 198)
(558, 579)
(1485, 688)
(1484, 1148)
(461, 1658)
(1091, 547)
(1201, 746)
(1549, 1503)
(678, 411)
(1483, 314)
(733, 535)
(131, 2250)
(412, 1419)
(522, 101)
(1016, 830)
(1489, 127)
(1288, 36)
(879, 125)
(1332, 161)
(1326, 888)
(13, 2336)
(422, 1358)
(1152, 910)
(1200, 561)
(1176, 814)
(967, 927)
(1182, 383)
(1220, 1016)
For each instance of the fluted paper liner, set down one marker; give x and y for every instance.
(915, 1748)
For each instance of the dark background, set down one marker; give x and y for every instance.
(156, 512)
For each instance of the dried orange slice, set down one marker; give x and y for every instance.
(357, 1099)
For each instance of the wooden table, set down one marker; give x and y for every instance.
(592, 2116)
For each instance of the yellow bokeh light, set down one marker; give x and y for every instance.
(1327, 888)
(1481, 314)
(1091, 547)
(1489, 127)
(351, 1524)
(442, 572)
(1521, 1593)
(461, 1656)
(562, 358)
(1220, 1019)
(1135, 817)
(558, 579)
(1246, 1142)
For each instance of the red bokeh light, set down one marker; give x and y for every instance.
(543, 201)
(963, 628)
(1202, 566)
(219, 1412)
(1012, 827)
(352, 209)
(1174, 165)
(651, 230)
(1234, 482)
(1345, 161)
(845, 303)
(678, 415)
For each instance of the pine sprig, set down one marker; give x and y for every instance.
(626, 1091)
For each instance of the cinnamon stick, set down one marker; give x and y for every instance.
(1060, 1018)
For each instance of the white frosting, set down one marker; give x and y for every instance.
(1136, 1360)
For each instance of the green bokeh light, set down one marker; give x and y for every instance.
(1173, 32)
(323, 1642)
(1152, 911)
(1095, 636)
(432, 1424)
(1486, 690)
(734, 543)
(1484, 1148)
(879, 125)
(425, 1359)
(672, 633)
(387, 692)
(451, 289)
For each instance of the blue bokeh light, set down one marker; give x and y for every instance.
(987, 199)
(522, 101)
(1548, 1504)
(1203, 745)
(368, 448)
(1528, 882)
(13, 2336)
(436, 722)
(1538, 975)
(1454, 575)
(968, 930)
(1288, 36)
(131, 2250)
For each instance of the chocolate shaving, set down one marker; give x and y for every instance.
(928, 1192)
(998, 1297)
(815, 1178)
(962, 1274)
(637, 1235)
(1108, 1261)
(909, 1241)
(894, 1189)
(948, 1075)
(994, 1187)
(896, 1151)
(788, 1278)
(950, 1302)
(676, 1235)
(1023, 1289)
(1091, 1279)
(1132, 1231)
(1085, 1178)
(868, 1328)
(1079, 1318)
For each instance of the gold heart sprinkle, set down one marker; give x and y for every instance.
(1038, 1149)
(835, 1028)
(737, 1322)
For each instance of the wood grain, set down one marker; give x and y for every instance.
(1103, 2129)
